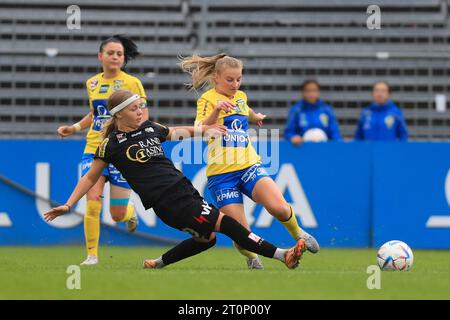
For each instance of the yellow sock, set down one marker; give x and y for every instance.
(244, 252)
(92, 226)
(292, 226)
(129, 214)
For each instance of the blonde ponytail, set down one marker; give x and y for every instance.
(203, 69)
(110, 126)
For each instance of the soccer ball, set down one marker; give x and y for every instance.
(395, 255)
(315, 135)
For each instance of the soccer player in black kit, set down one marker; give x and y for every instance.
(135, 149)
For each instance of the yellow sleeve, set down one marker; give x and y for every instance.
(204, 109)
(140, 89)
(89, 95)
(246, 100)
(141, 92)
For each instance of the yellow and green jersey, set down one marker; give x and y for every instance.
(99, 89)
(233, 151)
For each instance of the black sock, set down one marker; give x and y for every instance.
(245, 238)
(186, 249)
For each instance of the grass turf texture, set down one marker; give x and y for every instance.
(220, 273)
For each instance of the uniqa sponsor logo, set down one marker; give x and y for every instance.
(236, 125)
(235, 138)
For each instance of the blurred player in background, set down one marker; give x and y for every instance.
(114, 54)
(311, 113)
(382, 119)
(135, 147)
(234, 167)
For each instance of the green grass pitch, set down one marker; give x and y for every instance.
(220, 273)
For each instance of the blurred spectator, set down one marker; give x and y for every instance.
(311, 113)
(382, 119)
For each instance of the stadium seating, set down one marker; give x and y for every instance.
(281, 43)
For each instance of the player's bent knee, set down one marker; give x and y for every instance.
(280, 210)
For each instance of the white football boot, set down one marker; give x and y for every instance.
(311, 243)
(90, 261)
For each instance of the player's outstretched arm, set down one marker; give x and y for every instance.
(83, 186)
(257, 118)
(65, 131)
(179, 133)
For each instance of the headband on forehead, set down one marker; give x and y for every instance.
(124, 104)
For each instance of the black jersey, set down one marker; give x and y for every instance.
(139, 156)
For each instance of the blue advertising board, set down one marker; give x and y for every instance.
(346, 194)
(411, 194)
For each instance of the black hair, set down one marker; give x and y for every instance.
(309, 81)
(129, 47)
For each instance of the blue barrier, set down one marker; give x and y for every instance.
(411, 194)
(347, 194)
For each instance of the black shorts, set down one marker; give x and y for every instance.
(183, 208)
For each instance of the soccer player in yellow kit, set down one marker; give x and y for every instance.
(114, 53)
(234, 167)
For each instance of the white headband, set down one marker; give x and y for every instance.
(124, 104)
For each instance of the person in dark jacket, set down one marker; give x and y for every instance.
(382, 119)
(311, 113)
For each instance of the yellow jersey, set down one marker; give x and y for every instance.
(99, 89)
(234, 151)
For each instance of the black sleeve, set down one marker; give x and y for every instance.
(162, 130)
(103, 152)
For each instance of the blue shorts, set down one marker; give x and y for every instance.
(228, 188)
(111, 173)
